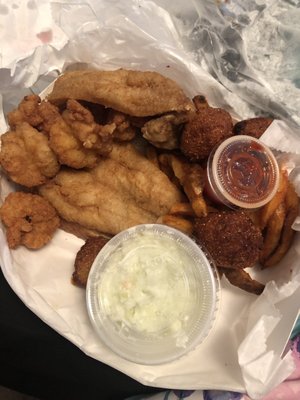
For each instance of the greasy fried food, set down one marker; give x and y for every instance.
(39, 114)
(124, 131)
(254, 127)
(179, 223)
(134, 93)
(69, 149)
(82, 124)
(29, 219)
(26, 156)
(200, 102)
(273, 232)
(268, 210)
(205, 129)
(124, 190)
(80, 231)
(182, 209)
(152, 155)
(191, 177)
(241, 279)
(292, 209)
(85, 258)
(164, 132)
(230, 237)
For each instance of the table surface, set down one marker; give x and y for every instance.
(38, 361)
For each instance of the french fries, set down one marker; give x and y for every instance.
(182, 209)
(273, 232)
(241, 279)
(179, 223)
(191, 178)
(268, 210)
(287, 234)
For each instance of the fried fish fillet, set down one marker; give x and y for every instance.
(136, 93)
(123, 190)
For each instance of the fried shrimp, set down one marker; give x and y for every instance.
(69, 149)
(26, 156)
(39, 114)
(30, 220)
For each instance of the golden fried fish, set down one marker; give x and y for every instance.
(136, 93)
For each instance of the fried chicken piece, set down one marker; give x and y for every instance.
(125, 189)
(230, 237)
(39, 114)
(85, 258)
(205, 130)
(26, 156)
(136, 93)
(124, 131)
(164, 132)
(83, 126)
(29, 219)
(254, 127)
(241, 279)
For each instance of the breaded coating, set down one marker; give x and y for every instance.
(29, 220)
(230, 237)
(254, 127)
(124, 131)
(85, 258)
(26, 156)
(37, 113)
(136, 93)
(205, 129)
(164, 132)
(123, 190)
(69, 149)
(84, 128)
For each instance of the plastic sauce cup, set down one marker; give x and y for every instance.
(242, 172)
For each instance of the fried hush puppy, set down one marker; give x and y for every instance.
(30, 220)
(205, 129)
(85, 258)
(254, 127)
(230, 237)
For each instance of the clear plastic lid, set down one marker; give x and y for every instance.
(152, 294)
(243, 172)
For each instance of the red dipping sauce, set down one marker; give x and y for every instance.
(242, 172)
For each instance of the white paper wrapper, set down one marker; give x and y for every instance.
(244, 351)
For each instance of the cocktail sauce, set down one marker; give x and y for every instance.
(242, 172)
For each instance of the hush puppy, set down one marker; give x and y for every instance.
(230, 237)
(205, 129)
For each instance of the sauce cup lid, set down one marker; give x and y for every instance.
(245, 171)
(152, 294)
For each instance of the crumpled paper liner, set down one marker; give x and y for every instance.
(248, 335)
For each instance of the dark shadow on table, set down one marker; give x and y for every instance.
(36, 360)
